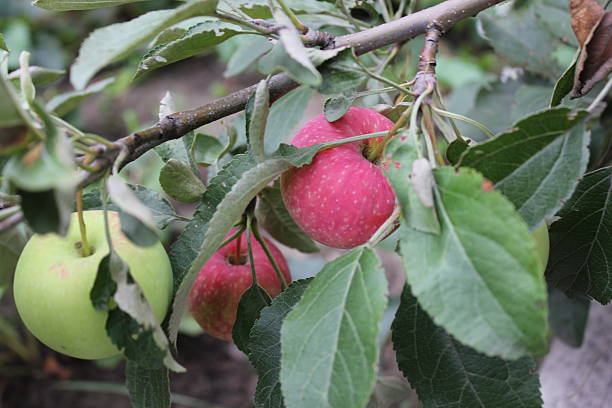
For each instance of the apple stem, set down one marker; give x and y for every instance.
(266, 249)
(380, 146)
(238, 248)
(85, 248)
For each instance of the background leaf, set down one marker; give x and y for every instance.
(179, 182)
(581, 241)
(568, 317)
(65, 5)
(252, 301)
(284, 116)
(446, 373)
(480, 278)
(64, 103)
(148, 388)
(109, 44)
(328, 340)
(537, 163)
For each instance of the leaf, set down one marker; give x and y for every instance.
(446, 373)
(388, 392)
(337, 78)
(564, 84)
(65, 5)
(12, 242)
(521, 39)
(179, 182)
(148, 388)
(586, 14)
(273, 216)
(251, 47)
(233, 189)
(104, 286)
(206, 149)
(285, 114)
(3, 45)
(334, 108)
(402, 155)
(112, 43)
(595, 61)
(568, 317)
(537, 163)
(9, 112)
(28, 92)
(328, 340)
(265, 346)
(480, 278)
(40, 76)
(257, 117)
(252, 301)
(196, 40)
(580, 242)
(65, 103)
(455, 149)
(136, 219)
(160, 208)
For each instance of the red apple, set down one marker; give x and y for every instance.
(215, 295)
(341, 198)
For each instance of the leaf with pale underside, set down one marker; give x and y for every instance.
(64, 103)
(66, 5)
(328, 340)
(446, 373)
(581, 240)
(112, 43)
(537, 163)
(480, 278)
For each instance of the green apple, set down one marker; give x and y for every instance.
(53, 281)
(542, 243)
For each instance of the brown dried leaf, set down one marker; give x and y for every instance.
(585, 16)
(595, 61)
(12, 138)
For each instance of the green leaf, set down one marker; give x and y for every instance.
(65, 5)
(12, 242)
(260, 9)
(206, 149)
(444, 372)
(276, 220)
(328, 340)
(179, 182)
(251, 47)
(10, 114)
(104, 286)
(403, 154)
(278, 59)
(65, 103)
(537, 163)
(3, 45)
(196, 40)
(334, 108)
(252, 301)
(257, 117)
(480, 278)
(337, 78)
(455, 149)
(265, 345)
(112, 43)
(40, 76)
(28, 92)
(581, 241)
(522, 40)
(160, 208)
(136, 219)
(148, 388)
(284, 116)
(568, 317)
(564, 84)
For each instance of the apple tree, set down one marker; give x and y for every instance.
(498, 195)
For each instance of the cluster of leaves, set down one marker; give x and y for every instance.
(474, 310)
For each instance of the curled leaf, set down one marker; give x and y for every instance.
(586, 14)
(595, 62)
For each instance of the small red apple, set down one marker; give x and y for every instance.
(215, 295)
(341, 198)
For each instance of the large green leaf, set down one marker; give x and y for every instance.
(522, 40)
(250, 48)
(109, 44)
(581, 241)
(446, 373)
(265, 346)
(252, 301)
(196, 40)
(537, 163)
(328, 340)
(480, 278)
(65, 5)
(148, 387)
(274, 217)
